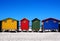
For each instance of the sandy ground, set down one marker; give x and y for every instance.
(30, 36)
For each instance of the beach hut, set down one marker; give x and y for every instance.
(51, 24)
(35, 24)
(24, 24)
(9, 24)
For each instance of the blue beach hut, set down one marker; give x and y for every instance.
(50, 24)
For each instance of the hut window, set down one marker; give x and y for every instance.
(36, 21)
(54, 21)
(24, 21)
(5, 21)
(46, 21)
(12, 20)
(59, 22)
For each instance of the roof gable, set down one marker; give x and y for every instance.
(50, 19)
(24, 19)
(35, 19)
(9, 18)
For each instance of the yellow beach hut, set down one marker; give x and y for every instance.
(9, 24)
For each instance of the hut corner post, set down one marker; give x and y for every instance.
(0, 26)
(59, 27)
(17, 25)
(43, 27)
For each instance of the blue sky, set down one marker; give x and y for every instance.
(29, 9)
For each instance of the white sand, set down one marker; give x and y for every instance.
(32, 36)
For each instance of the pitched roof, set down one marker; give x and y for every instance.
(35, 19)
(24, 19)
(9, 18)
(50, 19)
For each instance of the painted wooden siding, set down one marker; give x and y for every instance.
(9, 25)
(35, 24)
(51, 24)
(24, 24)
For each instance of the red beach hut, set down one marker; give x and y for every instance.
(24, 24)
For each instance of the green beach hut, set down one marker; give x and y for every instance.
(35, 24)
